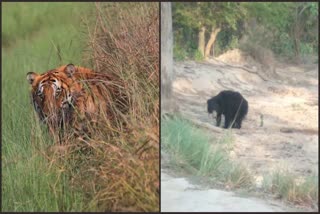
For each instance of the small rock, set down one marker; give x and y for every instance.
(259, 180)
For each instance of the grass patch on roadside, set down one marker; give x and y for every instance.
(192, 148)
(285, 185)
(210, 158)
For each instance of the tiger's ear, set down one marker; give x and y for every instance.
(70, 70)
(31, 76)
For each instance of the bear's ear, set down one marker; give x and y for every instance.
(31, 76)
(70, 70)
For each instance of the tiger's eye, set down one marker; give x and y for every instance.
(40, 95)
(58, 92)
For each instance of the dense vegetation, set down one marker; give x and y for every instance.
(117, 169)
(204, 29)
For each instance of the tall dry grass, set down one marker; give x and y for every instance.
(117, 165)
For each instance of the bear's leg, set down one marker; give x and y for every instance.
(226, 122)
(218, 119)
(239, 124)
(235, 124)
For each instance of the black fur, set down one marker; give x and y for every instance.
(232, 105)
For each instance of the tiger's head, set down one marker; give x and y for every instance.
(72, 95)
(53, 92)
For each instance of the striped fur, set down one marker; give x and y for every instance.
(65, 94)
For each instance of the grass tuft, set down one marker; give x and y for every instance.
(286, 186)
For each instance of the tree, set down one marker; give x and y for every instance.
(304, 14)
(215, 16)
(291, 24)
(202, 41)
(166, 57)
(212, 39)
(287, 28)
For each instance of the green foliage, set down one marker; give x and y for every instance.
(197, 55)
(269, 14)
(179, 54)
(307, 49)
(184, 43)
(284, 45)
(182, 53)
(210, 14)
(226, 40)
(185, 15)
(189, 17)
(292, 26)
(289, 29)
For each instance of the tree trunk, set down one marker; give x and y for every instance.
(166, 58)
(201, 43)
(297, 36)
(213, 36)
(297, 49)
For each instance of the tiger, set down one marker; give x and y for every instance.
(63, 96)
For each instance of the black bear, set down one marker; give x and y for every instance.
(232, 105)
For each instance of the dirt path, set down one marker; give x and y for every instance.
(288, 103)
(179, 195)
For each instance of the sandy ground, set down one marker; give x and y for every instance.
(288, 101)
(289, 105)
